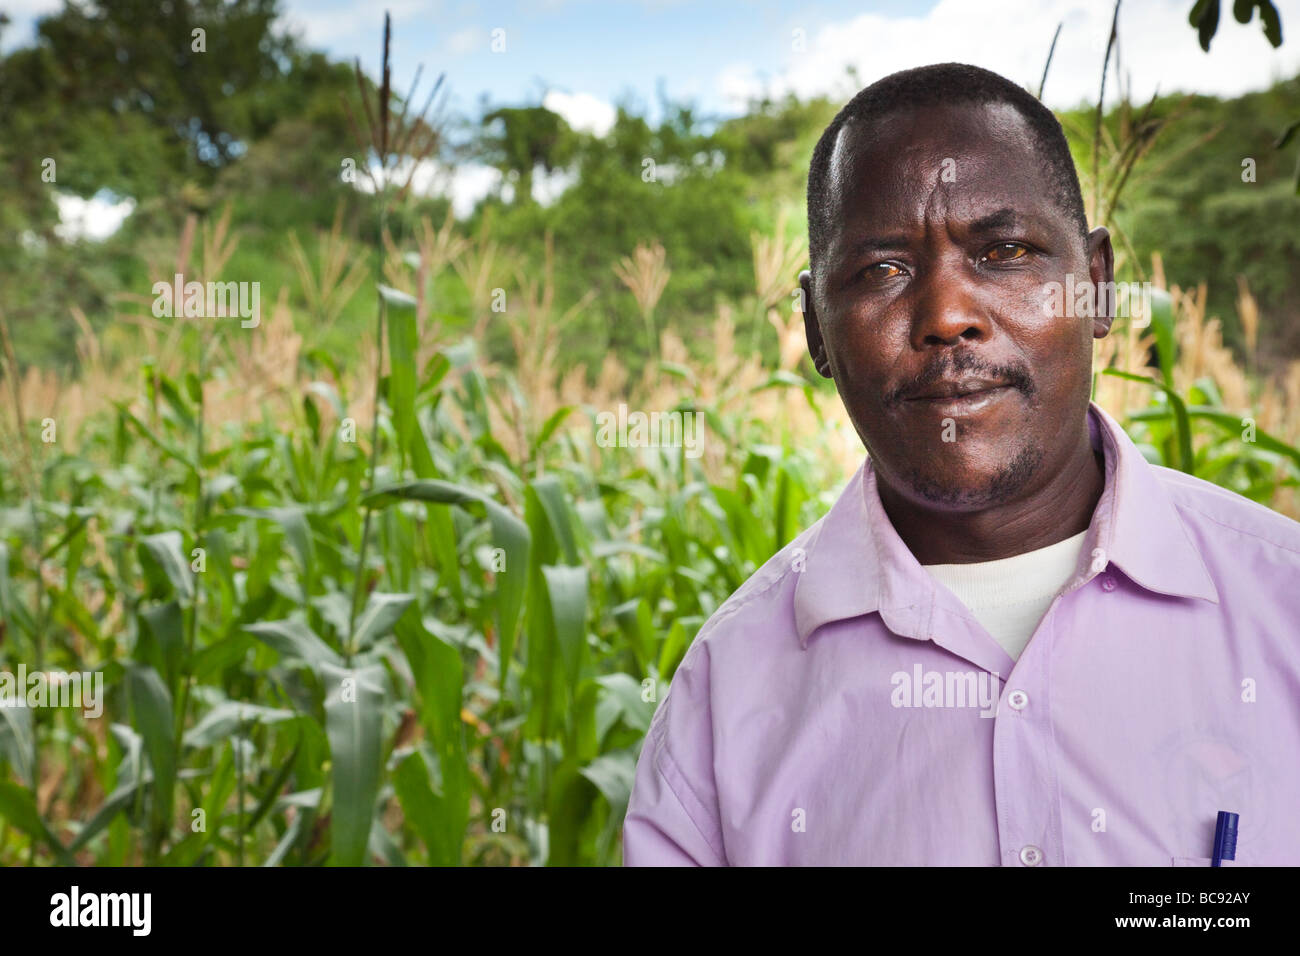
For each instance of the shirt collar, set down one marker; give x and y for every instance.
(857, 564)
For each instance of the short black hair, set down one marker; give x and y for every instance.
(942, 83)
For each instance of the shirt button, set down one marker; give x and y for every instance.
(1099, 560)
(1018, 700)
(1031, 855)
(1107, 582)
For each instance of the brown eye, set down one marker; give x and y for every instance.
(1006, 251)
(877, 271)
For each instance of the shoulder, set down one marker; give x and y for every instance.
(1225, 517)
(766, 597)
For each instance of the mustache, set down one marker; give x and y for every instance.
(1016, 376)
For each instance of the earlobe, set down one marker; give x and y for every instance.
(1101, 257)
(812, 328)
(1101, 267)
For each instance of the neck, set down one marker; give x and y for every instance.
(1057, 510)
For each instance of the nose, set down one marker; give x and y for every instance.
(948, 311)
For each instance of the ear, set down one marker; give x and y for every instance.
(1101, 270)
(811, 329)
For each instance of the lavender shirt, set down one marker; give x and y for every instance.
(843, 708)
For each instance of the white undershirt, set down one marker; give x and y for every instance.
(1010, 596)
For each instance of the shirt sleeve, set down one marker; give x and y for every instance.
(672, 815)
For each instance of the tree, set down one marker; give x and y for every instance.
(520, 139)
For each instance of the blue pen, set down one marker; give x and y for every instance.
(1225, 838)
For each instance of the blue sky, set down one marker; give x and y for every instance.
(591, 54)
(717, 52)
(607, 50)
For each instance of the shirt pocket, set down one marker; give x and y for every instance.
(1243, 859)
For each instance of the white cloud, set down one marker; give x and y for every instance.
(469, 183)
(22, 16)
(548, 187)
(95, 218)
(466, 41)
(1157, 47)
(465, 184)
(582, 111)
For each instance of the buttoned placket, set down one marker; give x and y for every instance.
(1026, 784)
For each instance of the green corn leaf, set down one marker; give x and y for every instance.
(295, 641)
(426, 489)
(1186, 459)
(549, 427)
(566, 589)
(403, 340)
(509, 534)
(11, 610)
(297, 532)
(620, 699)
(145, 432)
(161, 641)
(613, 774)
(1232, 425)
(18, 806)
(380, 614)
(512, 537)
(1287, 134)
(551, 495)
(162, 557)
(396, 299)
(16, 741)
(427, 811)
(272, 793)
(291, 834)
(117, 801)
(1162, 325)
(673, 650)
(151, 707)
(438, 673)
(225, 719)
(353, 722)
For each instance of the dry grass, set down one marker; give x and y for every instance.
(340, 272)
(1273, 402)
(645, 273)
(258, 370)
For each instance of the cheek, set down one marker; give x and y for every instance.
(1060, 356)
(867, 353)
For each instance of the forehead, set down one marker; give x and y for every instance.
(965, 159)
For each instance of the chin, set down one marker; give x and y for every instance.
(978, 485)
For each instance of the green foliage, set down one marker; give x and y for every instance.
(1193, 200)
(444, 643)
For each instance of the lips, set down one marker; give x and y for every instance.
(958, 396)
(948, 389)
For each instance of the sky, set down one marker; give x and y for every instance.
(582, 57)
(718, 53)
(591, 54)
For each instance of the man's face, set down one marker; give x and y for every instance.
(946, 235)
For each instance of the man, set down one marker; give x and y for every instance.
(1012, 640)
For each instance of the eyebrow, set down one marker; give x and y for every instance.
(1004, 218)
(998, 221)
(864, 245)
